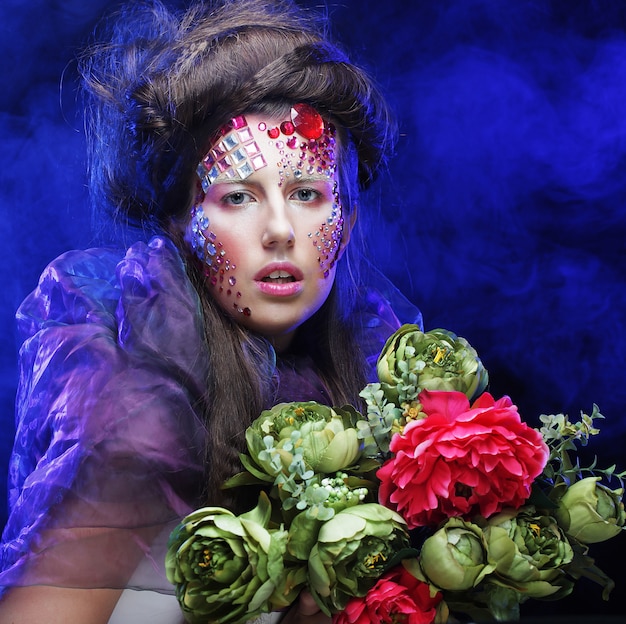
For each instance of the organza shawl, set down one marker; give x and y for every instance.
(108, 453)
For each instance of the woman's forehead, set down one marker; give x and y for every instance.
(302, 145)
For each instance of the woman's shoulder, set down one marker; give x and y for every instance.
(74, 287)
(135, 308)
(87, 285)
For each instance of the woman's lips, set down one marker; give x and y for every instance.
(279, 280)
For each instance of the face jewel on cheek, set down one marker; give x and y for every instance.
(217, 267)
(327, 239)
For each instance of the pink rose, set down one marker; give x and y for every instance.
(397, 597)
(461, 460)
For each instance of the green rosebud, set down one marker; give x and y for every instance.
(227, 568)
(351, 553)
(530, 552)
(456, 557)
(591, 512)
(294, 438)
(412, 361)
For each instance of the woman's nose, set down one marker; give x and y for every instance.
(278, 227)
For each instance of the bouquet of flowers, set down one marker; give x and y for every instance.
(437, 504)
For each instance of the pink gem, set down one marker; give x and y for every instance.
(262, 126)
(217, 152)
(245, 135)
(287, 128)
(252, 148)
(238, 122)
(292, 142)
(258, 162)
(307, 121)
(273, 133)
(223, 165)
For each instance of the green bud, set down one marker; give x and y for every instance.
(351, 553)
(412, 361)
(591, 512)
(530, 551)
(455, 557)
(294, 438)
(227, 568)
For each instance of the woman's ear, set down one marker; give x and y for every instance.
(348, 224)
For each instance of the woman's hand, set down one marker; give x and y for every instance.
(305, 611)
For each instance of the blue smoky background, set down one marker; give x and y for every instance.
(502, 215)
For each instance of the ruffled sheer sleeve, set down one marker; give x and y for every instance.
(109, 450)
(380, 311)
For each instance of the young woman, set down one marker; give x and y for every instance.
(238, 136)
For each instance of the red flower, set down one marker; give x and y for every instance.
(397, 597)
(461, 461)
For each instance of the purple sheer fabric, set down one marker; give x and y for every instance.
(108, 450)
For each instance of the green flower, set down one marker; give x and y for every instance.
(227, 568)
(456, 557)
(412, 361)
(300, 439)
(530, 552)
(590, 512)
(351, 553)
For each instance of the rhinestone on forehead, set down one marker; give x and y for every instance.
(306, 121)
(236, 155)
(310, 140)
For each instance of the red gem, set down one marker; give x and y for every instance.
(307, 121)
(287, 128)
(238, 122)
(273, 133)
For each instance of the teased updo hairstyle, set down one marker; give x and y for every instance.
(161, 85)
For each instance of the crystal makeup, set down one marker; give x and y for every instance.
(306, 148)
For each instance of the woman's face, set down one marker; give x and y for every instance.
(268, 226)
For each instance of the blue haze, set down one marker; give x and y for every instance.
(502, 215)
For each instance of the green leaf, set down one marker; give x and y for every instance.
(242, 479)
(303, 533)
(539, 498)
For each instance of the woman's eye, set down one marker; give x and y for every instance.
(237, 198)
(306, 195)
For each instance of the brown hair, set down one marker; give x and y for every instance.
(158, 88)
